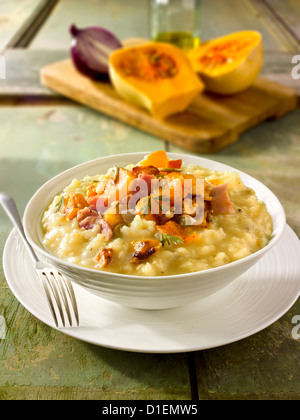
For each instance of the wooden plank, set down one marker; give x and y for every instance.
(124, 18)
(38, 362)
(15, 18)
(288, 12)
(261, 367)
(209, 124)
(132, 19)
(23, 72)
(222, 17)
(278, 67)
(277, 25)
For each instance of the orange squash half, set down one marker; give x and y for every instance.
(155, 76)
(229, 64)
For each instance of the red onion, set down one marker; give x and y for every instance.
(90, 50)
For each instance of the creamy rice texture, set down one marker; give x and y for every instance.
(226, 237)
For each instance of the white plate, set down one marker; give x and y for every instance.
(251, 303)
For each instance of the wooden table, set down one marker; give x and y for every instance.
(42, 134)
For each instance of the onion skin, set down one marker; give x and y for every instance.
(90, 51)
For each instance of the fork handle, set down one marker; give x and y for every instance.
(10, 207)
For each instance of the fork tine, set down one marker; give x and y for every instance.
(62, 287)
(71, 293)
(46, 286)
(53, 287)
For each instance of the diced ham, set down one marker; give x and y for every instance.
(86, 212)
(175, 163)
(147, 178)
(88, 218)
(150, 170)
(89, 222)
(106, 230)
(92, 201)
(220, 201)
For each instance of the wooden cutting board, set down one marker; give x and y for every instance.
(208, 125)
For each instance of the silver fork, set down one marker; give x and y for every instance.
(59, 290)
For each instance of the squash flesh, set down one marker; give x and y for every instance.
(155, 76)
(229, 64)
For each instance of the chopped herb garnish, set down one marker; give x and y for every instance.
(170, 239)
(146, 208)
(60, 203)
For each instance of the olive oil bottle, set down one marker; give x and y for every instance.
(177, 22)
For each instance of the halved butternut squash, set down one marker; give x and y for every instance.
(229, 64)
(155, 76)
(159, 159)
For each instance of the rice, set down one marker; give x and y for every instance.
(227, 237)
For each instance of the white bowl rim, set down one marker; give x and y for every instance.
(202, 273)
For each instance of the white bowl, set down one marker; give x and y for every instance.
(158, 292)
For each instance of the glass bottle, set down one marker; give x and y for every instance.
(176, 21)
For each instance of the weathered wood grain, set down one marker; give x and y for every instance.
(132, 19)
(209, 124)
(257, 368)
(288, 11)
(16, 17)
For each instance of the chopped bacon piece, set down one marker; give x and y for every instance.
(150, 170)
(175, 163)
(220, 201)
(86, 212)
(104, 257)
(147, 178)
(106, 230)
(143, 250)
(142, 184)
(92, 201)
(87, 218)
(89, 222)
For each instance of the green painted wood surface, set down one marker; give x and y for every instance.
(23, 71)
(15, 17)
(131, 19)
(289, 12)
(265, 366)
(125, 18)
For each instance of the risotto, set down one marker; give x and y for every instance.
(156, 218)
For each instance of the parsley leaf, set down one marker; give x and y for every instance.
(158, 199)
(170, 239)
(59, 204)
